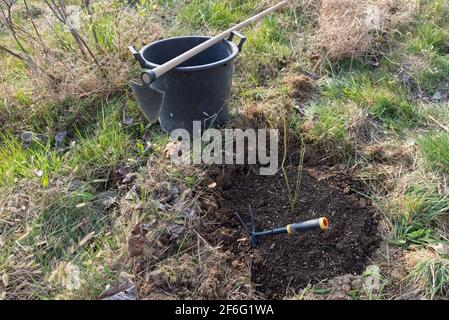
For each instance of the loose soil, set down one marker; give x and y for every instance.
(284, 263)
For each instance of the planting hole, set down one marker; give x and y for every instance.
(285, 263)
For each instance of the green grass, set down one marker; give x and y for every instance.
(105, 147)
(436, 11)
(215, 14)
(381, 98)
(65, 222)
(329, 127)
(435, 76)
(432, 276)
(428, 36)
(415, 216)
(434, 150)
(39, 161)
(73, 227)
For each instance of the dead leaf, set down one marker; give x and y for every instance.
(175, 231)
(136, 240)
(189, 213)
(130, 294)
(125, 290)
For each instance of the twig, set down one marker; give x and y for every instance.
(21, 56)
(10, 24)
(32, 22)
(89, 12)
(440, 124)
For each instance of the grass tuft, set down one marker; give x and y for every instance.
(415, 215)
(432, 276)
(434, 149)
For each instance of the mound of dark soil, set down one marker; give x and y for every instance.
(291, 262)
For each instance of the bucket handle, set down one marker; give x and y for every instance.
(238, 34)
(137, 56)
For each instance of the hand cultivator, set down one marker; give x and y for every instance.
(313, 224)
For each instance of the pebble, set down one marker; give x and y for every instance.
(436, 97)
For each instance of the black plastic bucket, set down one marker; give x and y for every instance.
(197, 90)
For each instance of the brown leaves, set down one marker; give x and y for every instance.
(136, 240)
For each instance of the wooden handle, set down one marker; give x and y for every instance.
(173, 63)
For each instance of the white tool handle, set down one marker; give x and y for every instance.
(151, 75)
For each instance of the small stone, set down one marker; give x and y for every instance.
(127, 120)
(346, 190)
(212, 185)
(189, 214)
(437, 97)
(27, 137)
(406, 78)
(175, 231)
(59, 138)
(174, 190)
(75, 185)
(38, 173)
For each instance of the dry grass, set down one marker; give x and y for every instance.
(206, 273)
(346, 31)
(62, 71)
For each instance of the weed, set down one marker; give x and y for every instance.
(65, 222)
(436, 11)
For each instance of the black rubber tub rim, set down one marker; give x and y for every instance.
(232, 56)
